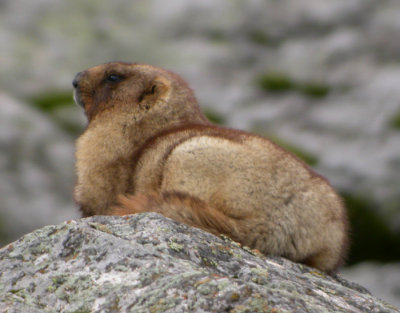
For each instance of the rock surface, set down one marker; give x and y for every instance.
(147, 263)
(383, 280)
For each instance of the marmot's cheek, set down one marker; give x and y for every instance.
(78, 99)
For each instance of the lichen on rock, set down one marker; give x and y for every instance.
(149, 263)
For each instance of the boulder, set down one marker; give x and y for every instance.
(149, 263)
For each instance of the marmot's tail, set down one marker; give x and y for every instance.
(179, 207)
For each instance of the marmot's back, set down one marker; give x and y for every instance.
(260, 186)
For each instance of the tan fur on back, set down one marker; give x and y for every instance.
(149, 148)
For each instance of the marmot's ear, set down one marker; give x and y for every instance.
(158, 89)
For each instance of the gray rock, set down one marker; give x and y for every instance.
(148, 263)
(36, 168)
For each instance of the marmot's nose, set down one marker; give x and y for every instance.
(75, 82)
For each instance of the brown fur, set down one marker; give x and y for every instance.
(148, 147)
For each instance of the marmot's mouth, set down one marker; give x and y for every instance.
(78, 99)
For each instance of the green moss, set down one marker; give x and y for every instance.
(259, 37)
(51, 100)
(279, 82)
(371, 236)
(395, 122)
(275, 82)
(217, 36)
(214, 117)
(314, 89)
(307, 157)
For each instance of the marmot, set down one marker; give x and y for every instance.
(148, 147)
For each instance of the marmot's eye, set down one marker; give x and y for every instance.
(113, 78)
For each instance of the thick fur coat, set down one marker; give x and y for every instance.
(148, 147)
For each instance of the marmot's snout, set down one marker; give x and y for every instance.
(77, 78)
(75, 84)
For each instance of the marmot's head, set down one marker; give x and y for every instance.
(136, 89)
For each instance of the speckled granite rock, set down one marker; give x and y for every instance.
(147, 263)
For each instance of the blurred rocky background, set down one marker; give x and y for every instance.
(320, 77)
